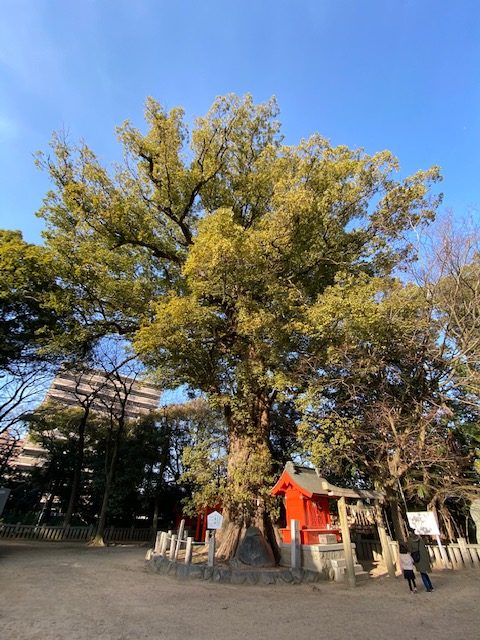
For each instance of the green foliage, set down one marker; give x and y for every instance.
(27, 279)
(204, 474)
(328, 441)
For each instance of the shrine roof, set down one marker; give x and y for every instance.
(308, 482)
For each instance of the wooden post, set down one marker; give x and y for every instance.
(347, 544)
(467, 559)
(180, 536)
(475, 558)
(295, 546)
(181, 529)
(163, 543)
(443, 555)
(173, 544)
(211, 549)
(436, 555)
(382, 534)
(455, 556)
(394, 552)
(158, 541)
(188, 551)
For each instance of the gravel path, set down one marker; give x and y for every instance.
(70, 592)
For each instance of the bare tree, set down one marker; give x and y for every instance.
(449, 273)
(122, 376)
(22, 386)
(92, 388)
(9, 448)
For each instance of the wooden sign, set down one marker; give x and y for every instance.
(214, 520)
(423, 522)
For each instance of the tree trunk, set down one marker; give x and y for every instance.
(47, 510)
(229, 536)
(248, 479)
(98, 540)
(45, 515)
(159, 483)
(447, 521)
(396, 515)
(77, 472)
(155, 515)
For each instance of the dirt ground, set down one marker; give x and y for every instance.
(54, 591)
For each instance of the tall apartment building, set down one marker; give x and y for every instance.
(104, 393)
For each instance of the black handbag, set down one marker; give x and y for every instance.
(416, 554)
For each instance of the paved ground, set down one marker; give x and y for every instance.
(69, 592)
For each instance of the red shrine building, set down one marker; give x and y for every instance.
(307, 498)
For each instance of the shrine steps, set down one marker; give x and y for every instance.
(339, 567)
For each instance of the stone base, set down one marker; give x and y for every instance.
(325, 559)
(229, 574)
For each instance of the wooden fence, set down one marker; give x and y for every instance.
(367, 550)
(168, 545)
(72, 534)
(459, 554)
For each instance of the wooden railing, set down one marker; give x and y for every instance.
(72, 534)
(168, 545)
(460, 554)
(127, 534)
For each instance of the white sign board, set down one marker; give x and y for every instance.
(214, 520)
(475, 515)
(423, 522)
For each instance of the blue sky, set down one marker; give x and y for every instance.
(396, 74)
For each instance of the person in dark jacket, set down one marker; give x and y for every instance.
(420, 556)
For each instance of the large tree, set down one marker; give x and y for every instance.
(210, 256)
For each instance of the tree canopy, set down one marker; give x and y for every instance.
(214, 250)
(27, 278)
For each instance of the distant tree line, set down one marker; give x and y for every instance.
(129, 474)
